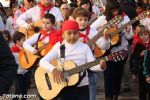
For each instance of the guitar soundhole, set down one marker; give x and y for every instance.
(48, 81)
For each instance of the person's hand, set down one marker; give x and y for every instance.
(106, 34)
(102, 64)
(57, 76)
(35, 51)
(133, 77)
(142, 53)
(128, 28)
(148, 80)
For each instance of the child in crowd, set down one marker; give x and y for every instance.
(46, 34)
(77, 52)
(11, 21)
(81, 15)
(22, 82)
(141, 42)
(7, 37)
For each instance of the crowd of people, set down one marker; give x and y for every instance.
(74, 24)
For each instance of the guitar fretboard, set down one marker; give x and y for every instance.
(143, 15)
(110, 24)
(85, 66)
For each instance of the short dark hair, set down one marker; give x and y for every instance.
(6, 32)
(18, 36)
(30, 0)
(51, 17)
(80, 12)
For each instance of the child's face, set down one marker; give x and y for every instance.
(14, 10)
(71, 36)
(139, 10)
(20, 42)
(28, 4)
(144, 36)
(82, 21)
(5, 37)
(46, 24)
(86, 6)
(115, 12)
(45, 2)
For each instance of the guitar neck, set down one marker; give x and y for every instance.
(85, 66)
(124, 26)
(107, 26)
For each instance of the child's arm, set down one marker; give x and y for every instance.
(45, 63)
(128, 31)
(52, 54)
(146, 65)
(102, 42)
(90, 58)
(24, 19)
(29, 43)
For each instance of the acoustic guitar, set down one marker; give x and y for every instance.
(30, 32)
(48, 89)
(114, 33)
(97, 51)
(28, 59)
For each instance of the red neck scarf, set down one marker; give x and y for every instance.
(136, 39)
(85, 37)
(45, 34)
(23, 9)
(15, 48)
(44, 9)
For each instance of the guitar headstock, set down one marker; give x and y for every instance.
(114, 21)
(117, 56)
(143, 14)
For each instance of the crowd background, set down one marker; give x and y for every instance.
(17, 13)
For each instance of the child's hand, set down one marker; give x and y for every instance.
(35, 51)
(102, 64)
(133, 77)
(128, 28)
(148, 80)
(142, 53)
(57, 76)
(106, 34)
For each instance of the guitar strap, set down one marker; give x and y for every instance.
(81, 78)
(36, 43)
(62, 55)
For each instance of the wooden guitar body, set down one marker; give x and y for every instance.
(45, 48)
(30, 32)
(46, 86)
(49, 89)
(27, 59)
(98, 52)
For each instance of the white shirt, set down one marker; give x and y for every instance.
(79, 53)
(28, 44)
(20, 69)
(101, 42)
(99, 23)
(11, 25)
(33, 14)
(146, 22)
(2, 25)
(124, 43)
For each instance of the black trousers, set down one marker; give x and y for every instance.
(74, 93)
(22, 84)
(113, 77)
(144, 87)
